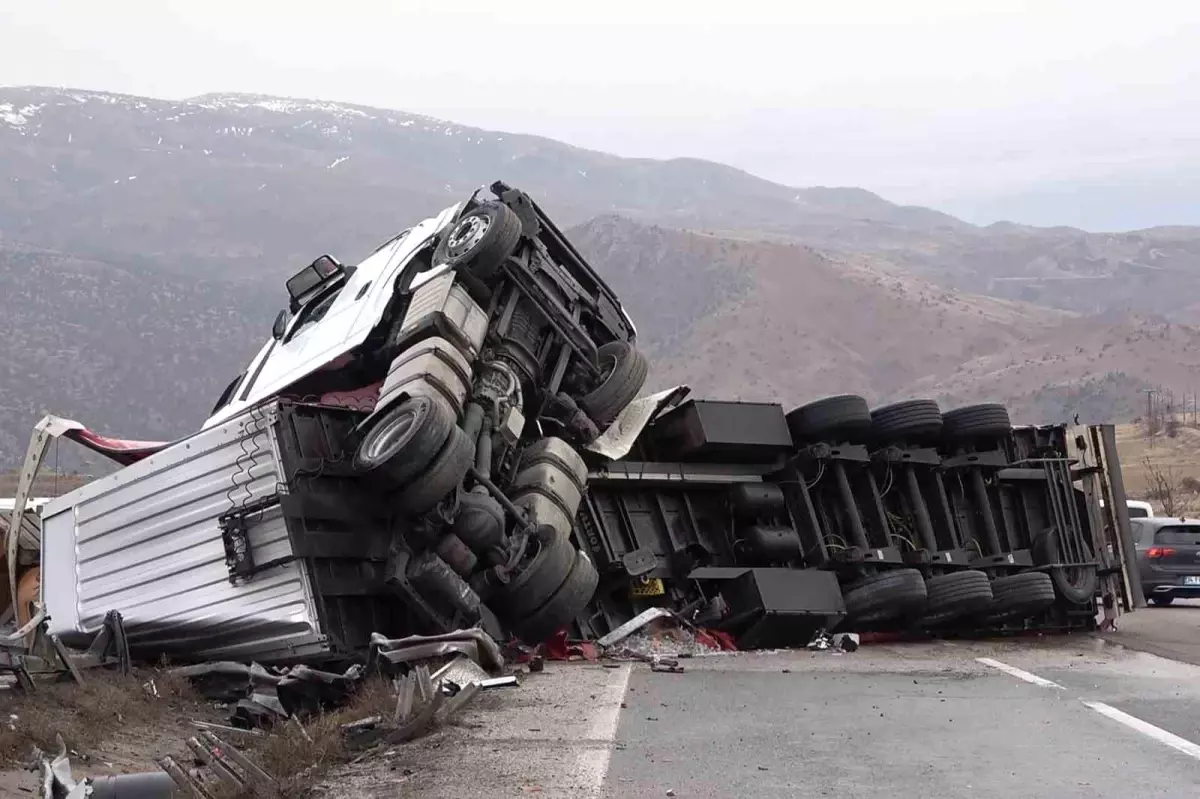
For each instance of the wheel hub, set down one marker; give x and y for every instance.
(468, 233)
(395, 428)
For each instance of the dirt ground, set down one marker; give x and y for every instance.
(120, 725)
(1179, 454)
(110, 724)
(47, 484)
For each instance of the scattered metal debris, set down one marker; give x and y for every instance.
(264, 696)
(841, 642)
(847, 642)
(225, 767)
(212, 727)
(633, 625)
(12, 661)
(657, 633)
(474, 643)
(663, 664)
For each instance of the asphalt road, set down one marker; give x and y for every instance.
(920, 721)
(1172, 631)
(1055, 717)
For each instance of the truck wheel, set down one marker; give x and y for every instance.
(885, 596)
(1019, 595)
(403, 441)
(442, 476)
(481, 240)
(914, 421)
(542, 576)
(976, 421)
(1075, 584)
(566, 603)
(623, 371)
(842, 418)
(955, 595)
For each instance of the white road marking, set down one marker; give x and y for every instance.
(1132, 722)
(592, 766)
(1020, 674)
(1146, 728)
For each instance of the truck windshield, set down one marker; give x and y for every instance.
(315, 311)
(227, 394)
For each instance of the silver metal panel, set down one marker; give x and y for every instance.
(442, 296)
(145, 541)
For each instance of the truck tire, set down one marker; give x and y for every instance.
(563, 606)
(623, 371)
(544, 574)
(885, 596)
(955, 595)
(973, 422)
(404, 441)
(842, 418)
(481, 240)
(1019, 595)
(442, 476)
(1075, 584)
(915, 421)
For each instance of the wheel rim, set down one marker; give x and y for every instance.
(393, 429)
(468, 233)
(1075, 576)
(608, 365)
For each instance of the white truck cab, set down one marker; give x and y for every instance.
(333, 310)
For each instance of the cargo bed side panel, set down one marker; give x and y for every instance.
(145, 541)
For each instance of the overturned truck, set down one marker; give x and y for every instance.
(448, 434)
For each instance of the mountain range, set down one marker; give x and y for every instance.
(144, 244)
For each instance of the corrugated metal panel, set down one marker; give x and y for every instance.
(145, 541)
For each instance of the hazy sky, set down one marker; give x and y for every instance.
(968, 105)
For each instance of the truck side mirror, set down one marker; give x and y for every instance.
(280, 326)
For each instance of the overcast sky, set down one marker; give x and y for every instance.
(978, 107)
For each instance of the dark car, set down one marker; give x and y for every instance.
(1168, 556)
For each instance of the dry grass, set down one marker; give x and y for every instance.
(299, 756)
(109, 711)
(1141, 454)
(89, 715)
(47, 484)
(109, 707)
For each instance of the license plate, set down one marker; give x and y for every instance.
(1191, 580)
(650, 587)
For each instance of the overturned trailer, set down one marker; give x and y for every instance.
(774, 526)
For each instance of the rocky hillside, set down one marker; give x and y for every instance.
(760, 320)
(144, 244)
(236, 182)
(132, 350)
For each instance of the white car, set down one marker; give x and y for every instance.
(1138, 509)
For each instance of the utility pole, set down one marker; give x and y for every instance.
(1150, 415)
